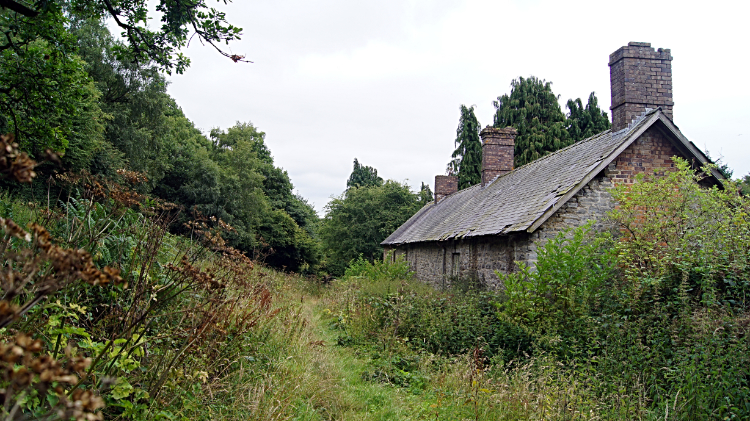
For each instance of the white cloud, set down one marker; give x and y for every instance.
(383, 81)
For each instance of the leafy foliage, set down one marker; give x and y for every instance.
(467, 158)
(180, 22)
(565, 285)
(532, 109)
(389, 269)
(584, 122)
(46, 97)
(361, 218)
(698, 235)
(363, 176)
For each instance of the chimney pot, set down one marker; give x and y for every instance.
(497, 152)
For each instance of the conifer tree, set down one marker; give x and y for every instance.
(467, 158)
(363, 176)
(425, 194)
(532, 109)
(586, 122)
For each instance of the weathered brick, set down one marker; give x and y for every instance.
(497, 152)
(635, 84)
(445, 185)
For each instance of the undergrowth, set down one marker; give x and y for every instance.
(106, 315)
(652, 323)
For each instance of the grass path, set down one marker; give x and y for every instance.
(332, 384)
(309, 377)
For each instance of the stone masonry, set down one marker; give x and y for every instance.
(497, 152)
(478, 258)
(445, 185)
(640, 78)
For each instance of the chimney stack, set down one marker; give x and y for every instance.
(445, 185)
(640, 78)
(497, 152)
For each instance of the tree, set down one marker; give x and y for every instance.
(134, 97)
(425, 195)
(532, 109)
(361, 218)
(363, 176)
(283, 223)
(46, 97)
(585, 122)
(181, 21)
(231, 176)
(467, 158)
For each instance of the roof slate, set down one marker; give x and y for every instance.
(514, 201)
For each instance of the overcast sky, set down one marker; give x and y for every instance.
(382, 81)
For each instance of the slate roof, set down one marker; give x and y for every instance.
(525, 197)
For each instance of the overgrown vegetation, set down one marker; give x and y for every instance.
(649, 324)
(105, 314)
(146, 265)
(362, 217)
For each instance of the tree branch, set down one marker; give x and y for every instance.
(19, 8)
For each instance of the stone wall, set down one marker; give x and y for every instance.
(440, 263)
(640, 78)
(475, 259)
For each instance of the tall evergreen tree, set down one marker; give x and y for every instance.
(363, 176)
(532, 109)
(588, 121)
(425, 194)
(467, 158)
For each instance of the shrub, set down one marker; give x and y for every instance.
(676, 231)
(566, 284)
(388, 269)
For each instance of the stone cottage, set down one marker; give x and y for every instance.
(488, 227)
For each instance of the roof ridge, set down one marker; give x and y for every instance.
(524, 201)
(580, 142)
(630, 127)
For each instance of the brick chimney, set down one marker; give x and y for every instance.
(497, 152)
(444, 186)
(640, 78)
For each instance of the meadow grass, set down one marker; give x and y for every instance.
(309, 375)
